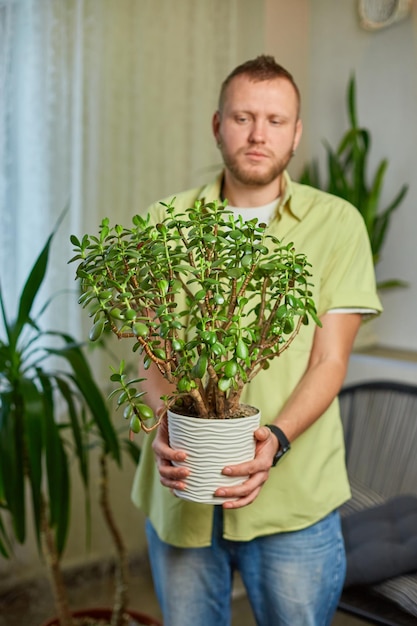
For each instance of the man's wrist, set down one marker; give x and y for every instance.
(284, 445)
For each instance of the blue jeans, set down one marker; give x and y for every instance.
(291, 579)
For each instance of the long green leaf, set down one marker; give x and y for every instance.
(65, 509)
(392, 283)
(5, 409)
(31, 288)
(33, 442)
(33, 283)
(77, 429)
(311, 175)
(352, 137)
(5, 544)
(12, 460)
(338, 183)
(6, 323)
(351, 100)
(56, 467)
(358, 167)
(133, 450)
(371, 207)
(82, 377)
(382, 221)
(397, 200)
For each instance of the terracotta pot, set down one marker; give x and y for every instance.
(105, 614)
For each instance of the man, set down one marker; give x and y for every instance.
(280, 529)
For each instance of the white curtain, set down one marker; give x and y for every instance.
(105, 106)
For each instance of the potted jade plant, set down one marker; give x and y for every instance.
(206, 298)
(50, 408)
(348, 178)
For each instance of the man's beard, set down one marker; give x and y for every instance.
(252, 177)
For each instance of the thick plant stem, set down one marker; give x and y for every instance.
(121, 574)
(52, 561)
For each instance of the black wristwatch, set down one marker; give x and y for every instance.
(284, 444)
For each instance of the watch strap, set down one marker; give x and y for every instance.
(284, 444)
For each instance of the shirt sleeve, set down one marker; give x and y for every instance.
(348, 281)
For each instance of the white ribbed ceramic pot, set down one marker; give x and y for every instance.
(211, 444)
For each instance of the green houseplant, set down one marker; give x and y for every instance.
(348, 178)
(50, 407)
(209, 300)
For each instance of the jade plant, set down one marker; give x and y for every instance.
(206, 297)
(348, 177)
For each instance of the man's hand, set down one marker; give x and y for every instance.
(171, 476)
(257, 469)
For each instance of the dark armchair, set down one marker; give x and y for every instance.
(380, 522)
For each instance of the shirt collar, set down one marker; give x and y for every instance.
(212, 191)
(287, 200)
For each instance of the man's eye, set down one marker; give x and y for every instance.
(275, 122)
(241, 119)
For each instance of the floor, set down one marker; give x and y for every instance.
(31, 604)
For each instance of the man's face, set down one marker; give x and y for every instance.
(257, 129)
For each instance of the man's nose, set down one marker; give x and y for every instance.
(257, 134)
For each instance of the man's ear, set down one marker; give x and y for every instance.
(215, 125)
(297, 134)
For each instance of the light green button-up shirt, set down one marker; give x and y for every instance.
(311, 480)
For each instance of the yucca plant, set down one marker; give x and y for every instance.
(348, 178)
(51, 409)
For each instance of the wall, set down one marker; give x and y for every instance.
(287, 38)
(322, 42)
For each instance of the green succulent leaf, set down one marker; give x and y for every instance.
(203, 292)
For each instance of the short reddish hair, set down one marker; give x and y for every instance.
(263, 67)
